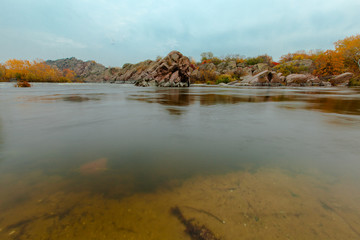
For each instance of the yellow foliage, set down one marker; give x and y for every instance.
(349, 48)
(35, 71)
(329, 63)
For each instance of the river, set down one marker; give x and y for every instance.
(102, 161)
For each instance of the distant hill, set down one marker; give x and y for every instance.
(89, 71)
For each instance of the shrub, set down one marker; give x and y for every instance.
(224, 78)
(355, 81)
(290, 68)
(253, 61)
(22, 84)
(207, 76)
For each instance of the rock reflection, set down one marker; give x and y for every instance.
(78, 98)
(172, 99)
(65, 97)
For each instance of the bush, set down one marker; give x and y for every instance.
(207, 76)
(224, 78)
(22, 84)
(354, 82)
(253, 61)
(287, 69)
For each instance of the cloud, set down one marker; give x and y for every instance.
(53, 41)
(114, 32)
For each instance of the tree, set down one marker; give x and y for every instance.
(35, 71)
(329, 63)
(206, 56)
(349, 48)
(2, 72)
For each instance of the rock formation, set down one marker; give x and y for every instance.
(172, 71)
(176, 70)
(88, 71)
(264, 78)
(342, 79)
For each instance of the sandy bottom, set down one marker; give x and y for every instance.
(266, 204)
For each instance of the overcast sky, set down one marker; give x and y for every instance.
(113, 32)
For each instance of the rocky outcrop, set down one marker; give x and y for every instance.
(305, 80)
(342, 79)
(175, 70)
(172, 71)
(260, 67)
(297, 79)
(264, 78)
(88, 71)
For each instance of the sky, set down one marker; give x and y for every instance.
(114, 32)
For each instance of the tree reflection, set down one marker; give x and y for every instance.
(1, 140)
(176, 100)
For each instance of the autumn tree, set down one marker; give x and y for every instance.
(2, 72)
(35, 71)
(349, 48)
(329, 63)
(69, 74)
(206, 56)
(300, 55)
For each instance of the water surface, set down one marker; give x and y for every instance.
(98, 161)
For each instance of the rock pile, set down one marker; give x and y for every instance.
(172, 71)
(88, 71)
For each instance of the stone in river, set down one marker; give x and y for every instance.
(93, 167)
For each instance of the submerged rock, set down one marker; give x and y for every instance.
(93, 167)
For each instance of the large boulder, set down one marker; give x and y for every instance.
(298, 79)
(342, 79)
(172, 71)
(260, 67)
(264, 78)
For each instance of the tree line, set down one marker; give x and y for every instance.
(34, 71)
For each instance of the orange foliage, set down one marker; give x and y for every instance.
(22, 84)
(299, 55)
(35, 71)
(329, 63)
(2, 72)
(349, 48)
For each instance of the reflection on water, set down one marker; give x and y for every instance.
(313, 99)
(97, 161)
(63, 97)
(1, 140)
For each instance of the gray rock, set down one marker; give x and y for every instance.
(172, 71)
(298, 79)
(342, 79)
(325, 84)
(264, 78)
(88, 71)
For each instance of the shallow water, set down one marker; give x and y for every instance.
(98, 161)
